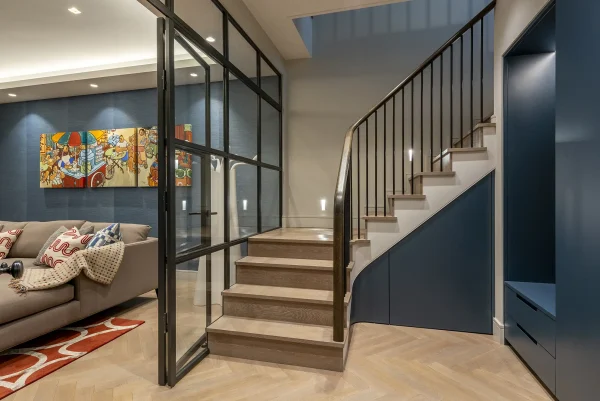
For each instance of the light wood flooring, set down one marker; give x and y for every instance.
(385, 363)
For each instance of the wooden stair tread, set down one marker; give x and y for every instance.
(288, 263)
(380, 218)
(275, 330)
(406, 196)
(296, 236)
(459, 150)
(434, 174)
(283, 294)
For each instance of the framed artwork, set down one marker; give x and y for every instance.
(112, 159)
(63, 160)
(147, 156)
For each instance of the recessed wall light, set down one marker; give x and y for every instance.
(93, 85)
(410, 155)
(74, 10)
(210, 39)
(12, 95)
(245, 204)
(193, 74)
(323, 204)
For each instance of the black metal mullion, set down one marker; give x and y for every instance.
(258, 148)
(358, 180)
(376, 164)
(421, 126)
(462, 77)
(441, 111)
(471, 97)
(403, 145)
(394, 145)
(431, 120)
(412, 137)
(385, 159)
(367, 166)
(481, 84)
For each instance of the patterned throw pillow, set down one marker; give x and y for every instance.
(53, 237)
(7, 240)
(106, 236)
(64, 246)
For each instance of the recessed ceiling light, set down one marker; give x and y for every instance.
(12, 95)
(93, 85)
(74, 10)
(193, 74)
(210, 39)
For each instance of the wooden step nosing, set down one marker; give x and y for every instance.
(284, 266)
(288, 241)
(273, 337)
(406, 197)
(279, 298)
(434, 174)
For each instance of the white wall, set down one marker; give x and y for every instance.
(512, 17)
(358, 58)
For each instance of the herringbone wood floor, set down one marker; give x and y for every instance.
(385, 363)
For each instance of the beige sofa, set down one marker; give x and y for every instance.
(24, 317)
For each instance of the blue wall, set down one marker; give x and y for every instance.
(441, 275)
(577, 200)
(22, 123)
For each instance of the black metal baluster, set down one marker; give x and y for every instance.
(376, 164)
(481, 87)
(403, 148)
(367, 165)
(412, 136)
(441, 111)
(358, 180)
(431, 118)
(421, 126)
(471, 115)
(394, 145)
(385, 159)
(451, 96)
(462, 78)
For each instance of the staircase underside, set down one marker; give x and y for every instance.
(281, 308)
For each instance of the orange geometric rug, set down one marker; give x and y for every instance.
(22, 366)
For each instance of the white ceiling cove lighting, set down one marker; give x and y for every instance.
(210, 39)
(93, 85)
(74, 10)
(12, 95)
(193, 74)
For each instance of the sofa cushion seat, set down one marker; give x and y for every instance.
(15, 306)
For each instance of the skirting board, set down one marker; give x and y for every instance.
(498, 331)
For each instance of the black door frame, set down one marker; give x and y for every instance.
(171, 29)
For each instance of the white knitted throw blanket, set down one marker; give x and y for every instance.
(98, 264)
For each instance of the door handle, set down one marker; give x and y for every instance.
(206, 212)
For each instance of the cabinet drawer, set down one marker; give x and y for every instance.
(538, 359)
(541, 327)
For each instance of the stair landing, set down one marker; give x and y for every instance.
(281, 308)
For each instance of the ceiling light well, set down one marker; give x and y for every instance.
(74, 10)
(210, 39)
(94, 85)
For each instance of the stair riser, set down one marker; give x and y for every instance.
(294, 312)
(275, 351)
(282, 277)
(290, 250)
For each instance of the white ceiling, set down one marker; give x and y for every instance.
(277, 19)
(51, 52)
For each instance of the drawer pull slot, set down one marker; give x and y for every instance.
(526, 333)
(527, 302)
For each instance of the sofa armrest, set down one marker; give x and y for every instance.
(137, 275)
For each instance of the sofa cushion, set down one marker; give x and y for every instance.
(12, 225)
(35, 235)
(15, 306)
(7, 241)
(131, 232)
(64, 246)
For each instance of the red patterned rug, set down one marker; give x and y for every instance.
(22, 366)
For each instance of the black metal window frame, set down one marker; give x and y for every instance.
(170, 29)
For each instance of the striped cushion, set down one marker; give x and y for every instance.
(106, 236)
(64, 246)
(7, 240)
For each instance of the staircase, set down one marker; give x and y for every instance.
(281, 309)
(402, 162)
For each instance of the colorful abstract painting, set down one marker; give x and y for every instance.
(183, 160)
(63, 160)
(112, 160)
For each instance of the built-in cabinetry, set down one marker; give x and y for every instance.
(530, 326)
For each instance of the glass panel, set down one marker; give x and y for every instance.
(269, 199)
(216, 107)
(243, 110)
(242, 200)
(269, 80)
(198, 200)
(269, 140)
(195, 297)
(242, 54)
(205, 18)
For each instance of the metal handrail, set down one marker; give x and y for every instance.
(341, 198)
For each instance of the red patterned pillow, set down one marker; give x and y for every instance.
(7, 240)
(64, 246)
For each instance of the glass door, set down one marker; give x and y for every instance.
(193, 204)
